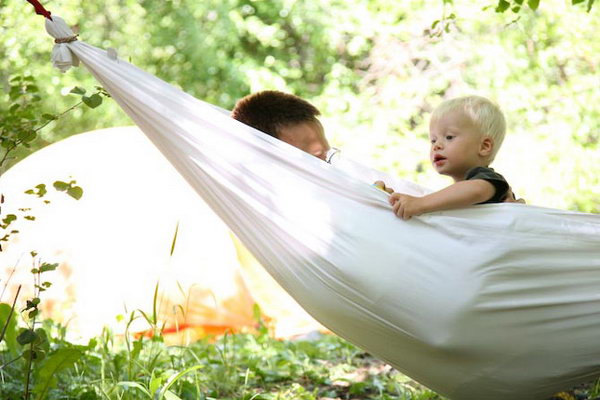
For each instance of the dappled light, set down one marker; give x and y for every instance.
(193, 257)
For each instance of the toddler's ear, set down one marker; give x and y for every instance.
(486, 146)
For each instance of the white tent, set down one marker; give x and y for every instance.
(114, 244)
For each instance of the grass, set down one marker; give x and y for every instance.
(245, 366)
(37, 362)
(248, 366)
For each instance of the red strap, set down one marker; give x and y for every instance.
(39, 9)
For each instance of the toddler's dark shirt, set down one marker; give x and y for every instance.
(488, 174)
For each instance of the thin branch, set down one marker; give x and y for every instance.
(8, 150)
(58, 116)
(10, 315)
(12, 271)
(10, 362)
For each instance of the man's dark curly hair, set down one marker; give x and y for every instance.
(271, 110)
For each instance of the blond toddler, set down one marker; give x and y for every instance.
(466, 134)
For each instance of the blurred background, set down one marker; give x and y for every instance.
(375, 68)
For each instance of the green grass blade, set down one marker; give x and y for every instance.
(135, 385)
(172, 379)
(174, 239)
(171, 396)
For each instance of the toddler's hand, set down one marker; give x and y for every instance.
(381, 185)
(405, 206)
(510, 198)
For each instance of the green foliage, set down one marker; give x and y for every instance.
(21, 120)
(375, 69)
(516, 5)
(39, 191)
(70, 188)
(62, 359)
(8, 325)
(241, 366)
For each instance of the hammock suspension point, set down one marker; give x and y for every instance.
(40, 10)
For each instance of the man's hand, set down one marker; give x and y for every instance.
(405, 206)
(510, 198)
(381, 185)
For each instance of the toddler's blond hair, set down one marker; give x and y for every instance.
(484, 114)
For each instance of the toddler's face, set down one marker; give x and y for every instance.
(456, 145)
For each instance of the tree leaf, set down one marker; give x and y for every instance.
(78, 90)
(93, 101)
(589, 5)
(49, 117)
(8, 219)
(75, 192)
(48, 267)
(502, 6)
(26, 336)
(60, 186)
(533, 4)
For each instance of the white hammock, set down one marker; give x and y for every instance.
(489, 302)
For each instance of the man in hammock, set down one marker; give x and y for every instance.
(285, 117)
(295, 121)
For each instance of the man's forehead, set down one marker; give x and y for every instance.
(301, 130)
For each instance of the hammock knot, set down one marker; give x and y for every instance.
(66, 40)
(62, 56)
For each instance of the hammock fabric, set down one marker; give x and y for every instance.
(489, 302)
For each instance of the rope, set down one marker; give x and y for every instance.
(39, 9)
(66, 40)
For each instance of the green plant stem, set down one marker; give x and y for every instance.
(12, 309)
(29, 367)
(8, 150)
(58, 116)
(10, 362)
(37, 280)
(28, 375)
